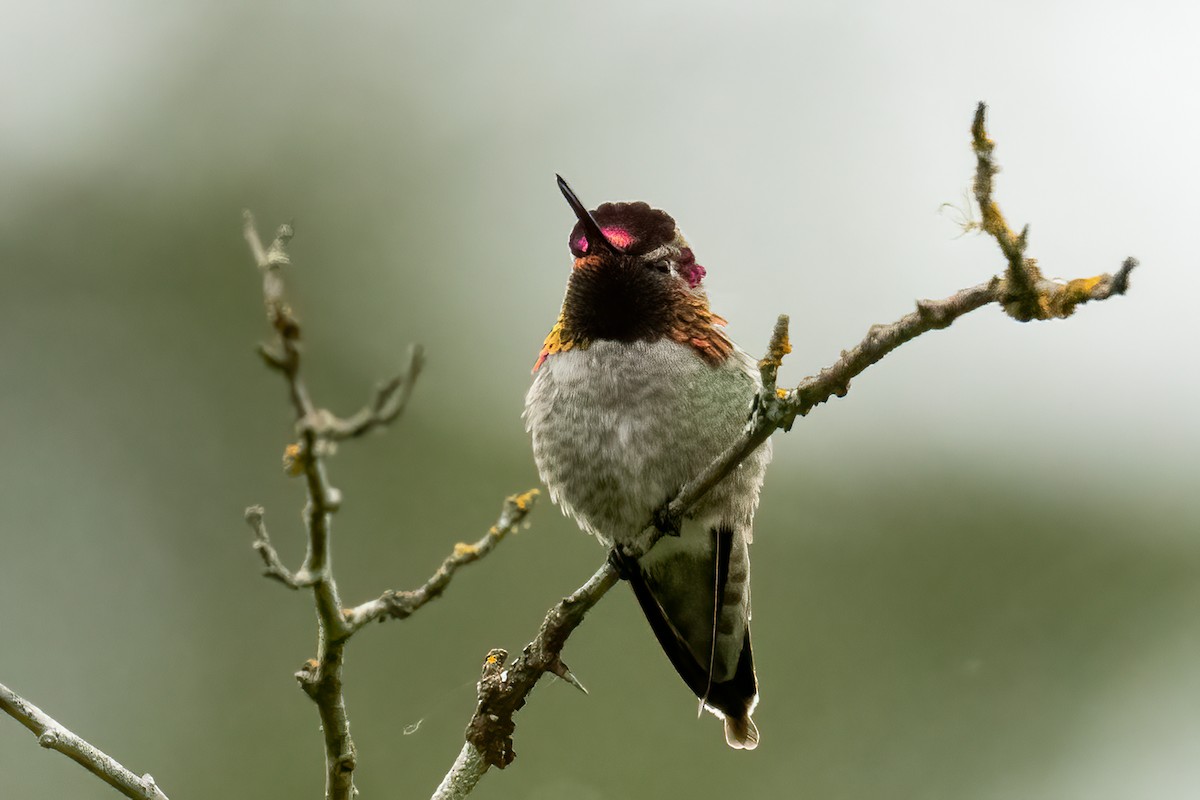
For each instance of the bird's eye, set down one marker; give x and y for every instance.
(662, 266)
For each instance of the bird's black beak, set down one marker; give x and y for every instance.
(590, 227)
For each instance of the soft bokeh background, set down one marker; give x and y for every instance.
(977, 576)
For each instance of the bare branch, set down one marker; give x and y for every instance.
(834, 380)
(401, 604)
(466, 771)
(52, 735)
(319, 430)
(285, 354)
(262, 543)
(503, 692)
(1023, 293)
(389, 402)
(321, 678)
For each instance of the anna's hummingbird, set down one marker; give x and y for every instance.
(637, 388)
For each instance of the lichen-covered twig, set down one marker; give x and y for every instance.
(930, 315)
(394, 604)
(52, 735)
(1022, 292)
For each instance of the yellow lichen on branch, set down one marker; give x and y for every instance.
(293, 459)
(1059, 300)
(993, 221)
(524, 500)
(779, 346)
(1025, 293)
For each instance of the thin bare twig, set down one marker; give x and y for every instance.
(394, 604)
(275, 568)
(389, 402)
(1022, 292)
(53, 735)
(834, 380)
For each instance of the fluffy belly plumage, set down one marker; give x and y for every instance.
(619, 427)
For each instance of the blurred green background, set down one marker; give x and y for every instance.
(975, 577)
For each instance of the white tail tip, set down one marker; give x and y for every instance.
(741, 733)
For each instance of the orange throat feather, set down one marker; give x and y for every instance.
(694, 325)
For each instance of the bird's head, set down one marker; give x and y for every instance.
(633, 235)
(635, 278)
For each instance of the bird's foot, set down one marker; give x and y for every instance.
(667, 521)
(623, 562)
(756, 404)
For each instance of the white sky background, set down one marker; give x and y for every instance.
(804, 148)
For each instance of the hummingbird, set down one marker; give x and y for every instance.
(636, 389)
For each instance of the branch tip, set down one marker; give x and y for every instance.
(779, 346)
(52, 735)
(387, 403)
(524, 501)
(1120, 282)
(1025, 294)
(559, 668)
(394, 604)
(274, 567)
(979, 135)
